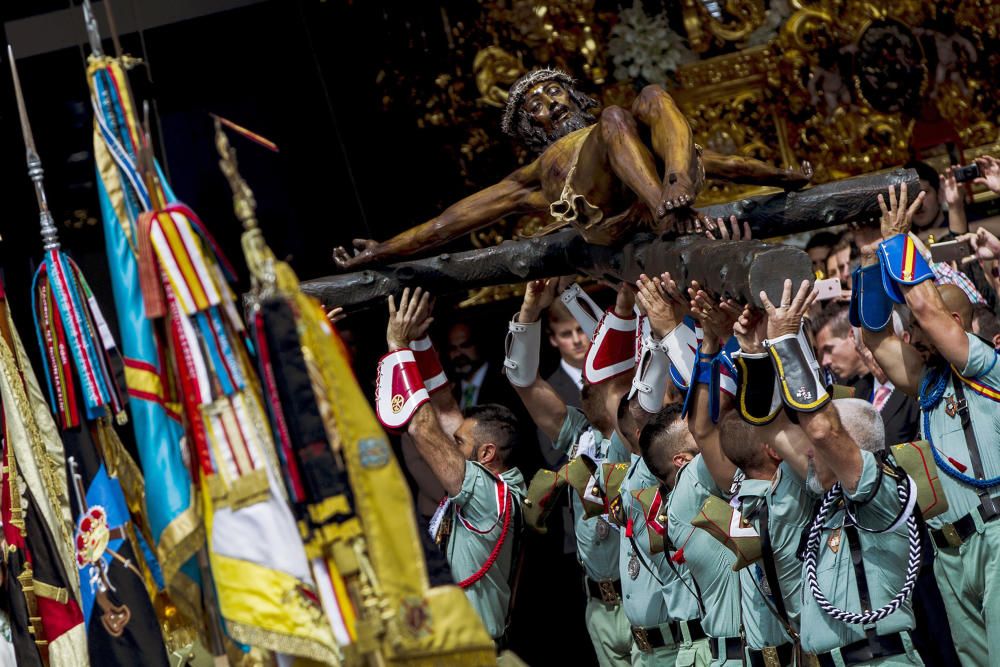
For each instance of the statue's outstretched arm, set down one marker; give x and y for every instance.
(520, 191)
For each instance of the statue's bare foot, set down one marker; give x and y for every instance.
(363, 254)
(799, 178)
(678, 192)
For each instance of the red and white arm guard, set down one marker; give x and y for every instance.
(613, 350)
(429, 364)
(521, 360)
(399, 389)
(582, 308)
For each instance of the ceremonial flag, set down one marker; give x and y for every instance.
(342, 477)
(41, 587)
(175, 528)
(75, 342)
(166, 268)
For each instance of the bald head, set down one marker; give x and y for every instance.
(956, 301)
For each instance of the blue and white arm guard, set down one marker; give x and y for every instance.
(871, 305)
(902, 264)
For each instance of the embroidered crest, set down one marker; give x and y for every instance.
(633, 567)
(951, 408)
(397, 403)
(602, 529)
(373, 452)
(416, 616)
(803, 394)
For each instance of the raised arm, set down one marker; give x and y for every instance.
(935, 319)
(901, 361)
(520, 191)
(717, 325)
(833, 446)
(546, 408)
(407, 323)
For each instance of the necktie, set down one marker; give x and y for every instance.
(468, 396)
(881, 396)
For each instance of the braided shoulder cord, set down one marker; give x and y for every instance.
(812, 550)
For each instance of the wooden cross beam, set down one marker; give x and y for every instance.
(737, 269)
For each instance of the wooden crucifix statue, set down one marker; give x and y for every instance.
(597, 173)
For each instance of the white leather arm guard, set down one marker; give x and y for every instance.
(651, 375)
(399, 389)
(521, 361)
(681, 346)
(429, 364)
(582, 308)
(613, 350)
(799, 374)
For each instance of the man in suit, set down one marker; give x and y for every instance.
(834, 347)
(568, 338)
(900, 413)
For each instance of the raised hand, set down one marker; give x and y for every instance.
(657, 304)
(335, 314)
(952, 191)
(989, 172)
(985, 245)
(750, 330)
(411, 320)
(625, 300)
(786, 318)
(538, 295)
(716, 320)
(725, 234)
(363, 253)
(897, 217)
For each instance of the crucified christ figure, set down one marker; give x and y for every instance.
(597, 173)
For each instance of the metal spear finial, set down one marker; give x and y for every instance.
(93, 33)
(50, 235)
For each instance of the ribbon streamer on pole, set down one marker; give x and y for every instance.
(112, 556)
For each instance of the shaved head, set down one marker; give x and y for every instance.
(956, 301)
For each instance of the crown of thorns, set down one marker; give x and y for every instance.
(522, 86)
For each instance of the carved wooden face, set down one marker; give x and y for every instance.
(550, 106)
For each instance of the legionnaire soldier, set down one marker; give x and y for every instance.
(587, 437)
(863, 549)
(478, 522)
(595, 172)
(959, 378)
(662, 602)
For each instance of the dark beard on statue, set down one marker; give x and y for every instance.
(537, 139)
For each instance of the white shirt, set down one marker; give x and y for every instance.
(574, 373)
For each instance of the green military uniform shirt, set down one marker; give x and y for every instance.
(655, 594)
(710, 563)
(949, 438)
(789, 507)
(596, 544)
(468, 550)
(884, 556)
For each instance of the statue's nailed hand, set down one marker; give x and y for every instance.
(897, 217)
(363, 253)
(786, 318)
(411, 320)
